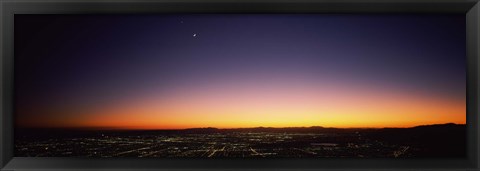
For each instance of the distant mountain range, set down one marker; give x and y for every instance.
(323, 129)
(274, 129)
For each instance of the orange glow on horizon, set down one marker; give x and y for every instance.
(254, 104)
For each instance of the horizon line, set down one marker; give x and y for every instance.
(145, 129)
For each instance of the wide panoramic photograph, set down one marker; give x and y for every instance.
(240, 86)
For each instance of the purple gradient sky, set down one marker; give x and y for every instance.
(84, 62)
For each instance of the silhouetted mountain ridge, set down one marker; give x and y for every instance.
(320, 128)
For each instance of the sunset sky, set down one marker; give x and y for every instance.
(230, 71)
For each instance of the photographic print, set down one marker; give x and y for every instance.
(240, 86)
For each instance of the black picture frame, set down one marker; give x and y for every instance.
(8, 9)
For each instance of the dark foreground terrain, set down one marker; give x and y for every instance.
(431, 141)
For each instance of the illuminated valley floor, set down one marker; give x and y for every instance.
(261, 142)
